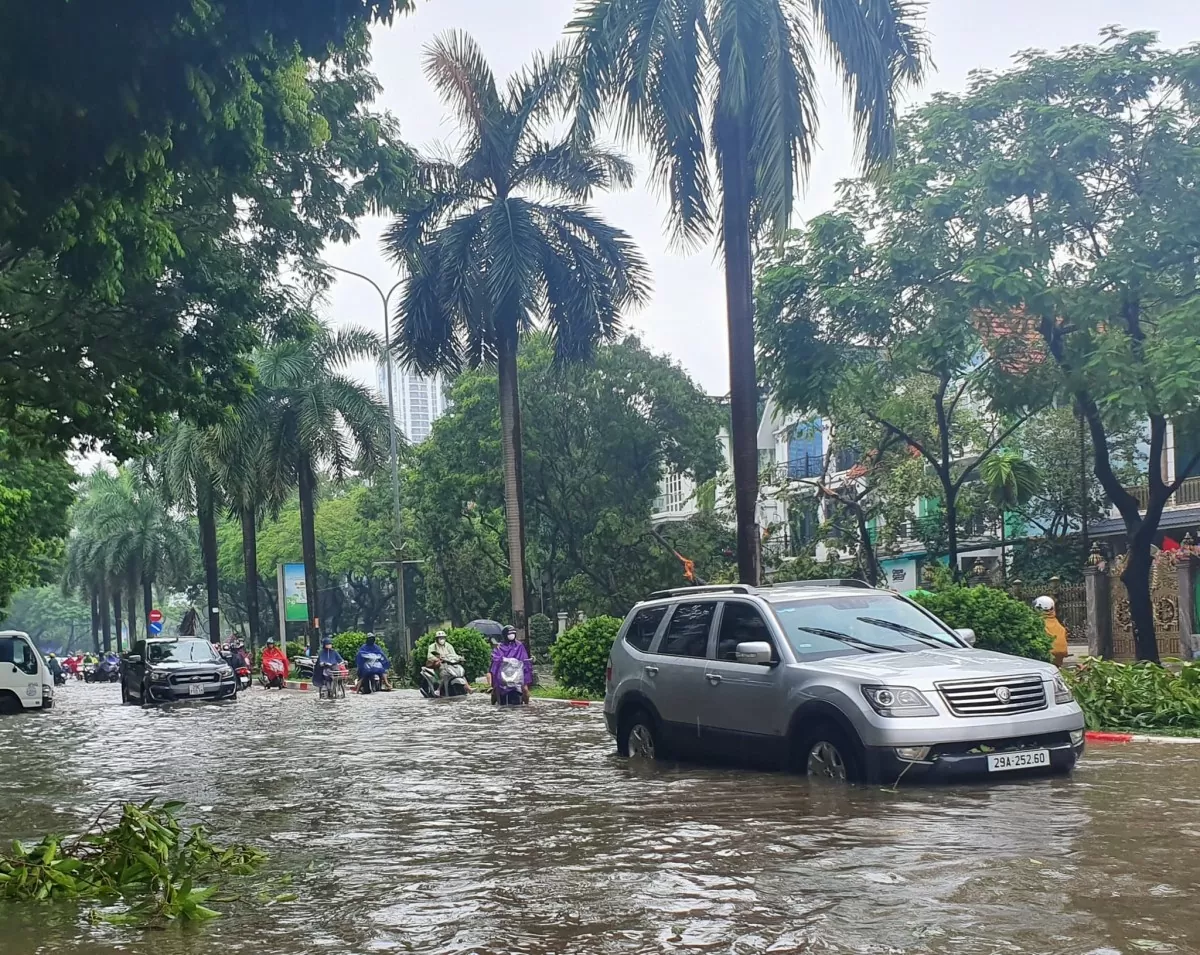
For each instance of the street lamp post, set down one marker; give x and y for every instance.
(385, 298)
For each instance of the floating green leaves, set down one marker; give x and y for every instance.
(147, 865)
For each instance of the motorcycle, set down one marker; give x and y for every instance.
(454, 675)
(243, 678)
(370, 683)
(273, 675)
(306, 666)
(60, 678)
(108, 670)
(89, 673)
(510, 688)
(333, 681)
(371, 666)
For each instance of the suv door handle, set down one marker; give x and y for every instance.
(713, 678)
(651, 671)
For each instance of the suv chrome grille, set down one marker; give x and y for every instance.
(994, 697)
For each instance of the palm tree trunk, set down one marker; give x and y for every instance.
(95, 623)
(308, 543)
(514, 485)
(147, 602)
(736, 185)
(206, 513)
(132, 613)
(102, 599)
(116, 602)
(250, 566)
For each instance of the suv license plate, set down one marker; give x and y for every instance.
(1025, 759)
(196, 689)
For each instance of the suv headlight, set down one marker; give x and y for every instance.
(1062, 692)
(158, 676)
(898, 701)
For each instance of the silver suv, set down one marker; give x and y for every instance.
(830, 678)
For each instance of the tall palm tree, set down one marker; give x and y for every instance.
(184, 470)
(500, 238)
(1011, 482)
(730, 84)
(317, 418)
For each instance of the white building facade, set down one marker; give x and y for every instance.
(420, 400)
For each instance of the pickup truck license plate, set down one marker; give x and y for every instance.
(196, 689)
(1024, 759)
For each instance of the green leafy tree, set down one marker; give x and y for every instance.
(1001, 623)
(864, 316)
(1011, 482)
(35, 498)
(51, 619)
(729, 85)
(1073, 175)
(500, 240)
(317, 417)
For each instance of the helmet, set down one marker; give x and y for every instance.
(440, 633)
(509, 633)
(327, 641)
(1044, 604)
(371, 637)
(270, 641)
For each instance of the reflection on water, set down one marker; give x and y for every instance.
(453, 827)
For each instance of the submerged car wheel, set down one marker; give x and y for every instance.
(824, 751)
(639, 737)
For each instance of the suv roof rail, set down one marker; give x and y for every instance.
(705, 589)
(831, 582)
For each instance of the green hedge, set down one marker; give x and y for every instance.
(469, 643)
(1136, 696)
(1001, 623)
(580, 655)
(347, 644)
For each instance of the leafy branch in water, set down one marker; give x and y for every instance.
(147, 860)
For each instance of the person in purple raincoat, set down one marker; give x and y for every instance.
(509, 647)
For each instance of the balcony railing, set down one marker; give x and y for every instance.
(1188, 494)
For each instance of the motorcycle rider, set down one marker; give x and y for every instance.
(369, 660)
(509, 647)
(328, 658)
(441, 651)
(272, 652)
(56, 669)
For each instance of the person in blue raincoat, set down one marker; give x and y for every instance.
(372, 660)
(328, 657)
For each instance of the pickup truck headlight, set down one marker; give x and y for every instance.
(225, 672)
(158, 676)
(1062, 692)
(898, 701)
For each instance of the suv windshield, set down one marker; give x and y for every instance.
(859, 623)
(183, 651)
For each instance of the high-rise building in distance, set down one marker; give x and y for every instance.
(420, 400)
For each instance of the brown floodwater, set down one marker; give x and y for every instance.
(410, 826)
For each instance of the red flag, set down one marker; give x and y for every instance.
(1170, 544)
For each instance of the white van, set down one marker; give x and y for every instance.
(25, 682)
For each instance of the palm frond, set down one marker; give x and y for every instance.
(459, 72)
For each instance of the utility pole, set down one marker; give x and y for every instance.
(398, 540)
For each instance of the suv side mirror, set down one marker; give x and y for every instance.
(133, 658)
(758, 652)
(966, 635)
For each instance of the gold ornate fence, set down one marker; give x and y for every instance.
(1164, 599)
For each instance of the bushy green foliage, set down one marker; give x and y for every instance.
(348, 643)
(1000, 622)
(148, 859)
(469, 643)
(581, 654)
(541, 636)
(1136, 695)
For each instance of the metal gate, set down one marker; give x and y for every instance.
(1164, 600)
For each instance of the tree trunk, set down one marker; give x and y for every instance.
(95, 623)
(250, 566)
(1136, 577)
(952, 528)
(736, 181)
(870, 563)
(105, 627)
(147, 601)
(131, 612)
(514, 488)
(207, 515)
(116, 602)
(308, 544)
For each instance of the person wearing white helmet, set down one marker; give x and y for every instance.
(1054, 628)
(440, 651)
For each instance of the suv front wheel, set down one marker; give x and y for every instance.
(639, 737)
(824, 751)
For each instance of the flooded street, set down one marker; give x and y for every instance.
(405, 825)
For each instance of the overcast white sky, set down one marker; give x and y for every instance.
(686, 315)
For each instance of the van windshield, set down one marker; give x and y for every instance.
(185, 651)
(861, 623)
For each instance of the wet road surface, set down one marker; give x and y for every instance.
(404, 825)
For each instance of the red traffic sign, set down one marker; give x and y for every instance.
(156, 616)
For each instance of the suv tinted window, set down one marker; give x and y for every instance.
(687, 633)
(643, 627)
(742, 623)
